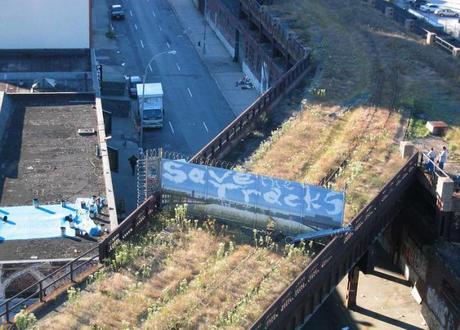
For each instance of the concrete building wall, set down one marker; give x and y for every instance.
(435, 281)
(5, 113)
(44, 24)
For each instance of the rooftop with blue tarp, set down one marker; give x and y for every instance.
(49, 221)
(48, 150)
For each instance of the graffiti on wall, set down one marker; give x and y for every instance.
(280, 198)
(415, 258)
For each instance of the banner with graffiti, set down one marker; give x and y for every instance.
(282, 199)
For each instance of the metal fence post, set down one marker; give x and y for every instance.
(40, 290)
(7, 311)
(71, 272)
(102, 251)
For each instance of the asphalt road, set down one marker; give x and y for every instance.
(195, 109)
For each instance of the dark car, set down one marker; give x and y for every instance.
(117, 12)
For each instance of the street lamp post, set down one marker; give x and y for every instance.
(204, 32)
(170, 52)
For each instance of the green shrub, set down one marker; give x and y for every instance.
(24, 320)
(73, 294)
(417, 128)
(97, 277)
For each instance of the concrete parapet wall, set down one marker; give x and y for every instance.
(445, 191)
(406, 148)
(104, 150)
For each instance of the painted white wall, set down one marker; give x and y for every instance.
(44, 24)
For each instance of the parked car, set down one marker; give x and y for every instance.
(117, 12)
(132, 85)
(429, 8)
(446, 12)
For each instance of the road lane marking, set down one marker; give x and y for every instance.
(142, 44)
(189, 92)
(135, 26)
(205, 127)
(171, 126)
(167, 44)
(150, 68)
(178, 67)
(131, 13)
(153, 13)
(159, 26)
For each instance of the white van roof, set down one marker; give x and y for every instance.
(150, 89)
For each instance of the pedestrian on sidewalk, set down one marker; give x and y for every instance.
(443, 157)
(431, 156)
(133, 161)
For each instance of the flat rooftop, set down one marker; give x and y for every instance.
(43, 156)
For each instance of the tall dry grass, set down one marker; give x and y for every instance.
(199, 279)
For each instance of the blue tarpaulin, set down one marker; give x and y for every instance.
(44, 221)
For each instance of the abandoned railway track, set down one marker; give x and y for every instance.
(376, 102)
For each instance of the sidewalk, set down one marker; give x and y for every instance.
(124, 137)
(125, 140)
(220, 64)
